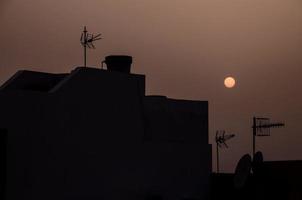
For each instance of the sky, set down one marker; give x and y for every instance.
(185, 48)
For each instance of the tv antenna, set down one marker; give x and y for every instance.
(261, 127)
(87, 40)
(220, 140)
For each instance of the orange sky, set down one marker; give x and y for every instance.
(185, 48)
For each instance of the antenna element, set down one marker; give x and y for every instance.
(261, 127)
(87, 40)
(220, 140)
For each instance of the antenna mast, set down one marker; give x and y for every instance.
(261, 127)
(87, 40)
(220, 140)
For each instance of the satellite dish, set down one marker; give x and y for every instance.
(257, 164)
(242, 171)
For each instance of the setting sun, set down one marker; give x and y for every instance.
(229, 82)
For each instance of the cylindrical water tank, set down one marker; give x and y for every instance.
(120, 63)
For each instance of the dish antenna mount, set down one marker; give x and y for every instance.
(220, 140)
(261, 127)
(87, 40)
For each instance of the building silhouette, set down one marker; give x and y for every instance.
(94, 134)
(278, 180)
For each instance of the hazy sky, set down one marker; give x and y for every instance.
(186, 48)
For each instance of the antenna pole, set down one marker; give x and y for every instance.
(221, 142)
(217, 152)
(254, 136)
(85, 47)
(87, 40)
(85, 56)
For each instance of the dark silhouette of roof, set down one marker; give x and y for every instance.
(93, 134)
(35, 81)
(276, 180)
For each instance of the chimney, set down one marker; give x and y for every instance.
(120, 63)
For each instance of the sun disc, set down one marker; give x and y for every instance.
(229, 82)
